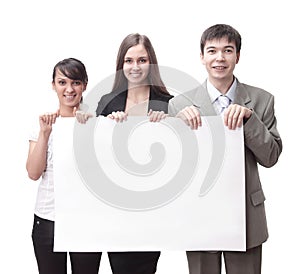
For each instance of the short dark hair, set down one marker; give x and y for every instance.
(219, 31)
(71, 68)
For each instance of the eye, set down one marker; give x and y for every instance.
(143, 60)
(61, 82)
(211, 51)
(77, 83)
(128, 61)
(228, 50)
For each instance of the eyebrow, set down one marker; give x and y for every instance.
(138, 57)
(213, 47)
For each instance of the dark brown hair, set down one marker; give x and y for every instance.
(71, 68)
(154, 78)
(219, 31)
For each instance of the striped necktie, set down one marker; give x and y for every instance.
(224, 102)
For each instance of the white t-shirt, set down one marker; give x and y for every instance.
(44, 206)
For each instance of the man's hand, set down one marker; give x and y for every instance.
(235, 114)
(191, 116)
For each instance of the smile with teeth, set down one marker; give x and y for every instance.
(70, 97)
(135, 74)
(219, 67)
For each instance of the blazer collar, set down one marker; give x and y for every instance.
(241, 95)
(202, 98)
(120, 99)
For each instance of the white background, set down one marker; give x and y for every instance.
(35, 35)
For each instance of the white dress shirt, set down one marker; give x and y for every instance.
(214, 94)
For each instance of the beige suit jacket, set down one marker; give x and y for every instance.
(262, 146)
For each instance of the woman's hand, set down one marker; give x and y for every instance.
(81, 116)
(118, 116)
(47, 120)
(156, 116)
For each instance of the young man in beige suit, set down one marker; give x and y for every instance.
(244, 105)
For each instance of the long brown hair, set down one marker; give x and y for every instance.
(154, 78)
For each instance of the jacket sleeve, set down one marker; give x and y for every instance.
(262, 137)
(102, 107)
(172, 109)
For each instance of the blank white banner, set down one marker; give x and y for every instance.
(139, 186)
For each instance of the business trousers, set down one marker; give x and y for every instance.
(50, 262)
(202, 262)
(133, 262)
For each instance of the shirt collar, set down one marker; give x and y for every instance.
(214, 93)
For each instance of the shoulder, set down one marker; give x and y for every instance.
(165, 97)
(113, 101)
(183, 100)
(188, 97)
(254, 92)
(157, 95)
(256, 98)
(109, 96)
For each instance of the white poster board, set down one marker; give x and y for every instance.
(139, 186)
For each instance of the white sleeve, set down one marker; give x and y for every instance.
(34, 132)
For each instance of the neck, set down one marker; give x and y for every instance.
(138, 94)
(67, 111)
(222, 85)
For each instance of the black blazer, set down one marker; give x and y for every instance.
(116, 101)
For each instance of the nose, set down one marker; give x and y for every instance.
(220, 56)
(69, 88)
(135, 65)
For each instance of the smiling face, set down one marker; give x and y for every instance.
(136, 66)
(69, 91)
(220, 57)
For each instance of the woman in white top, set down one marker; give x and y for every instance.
(69, 81)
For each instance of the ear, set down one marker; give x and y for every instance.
(237, 58)
(84, 87)
(53, 86)
(202, 58)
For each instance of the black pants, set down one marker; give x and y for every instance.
(50, 262)
(133, 262)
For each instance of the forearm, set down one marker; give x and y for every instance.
(37, 156)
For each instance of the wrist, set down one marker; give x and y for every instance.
(45, 134)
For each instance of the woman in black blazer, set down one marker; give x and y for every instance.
(137, 90)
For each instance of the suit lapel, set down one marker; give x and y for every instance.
(241, 95)
(203, 101)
